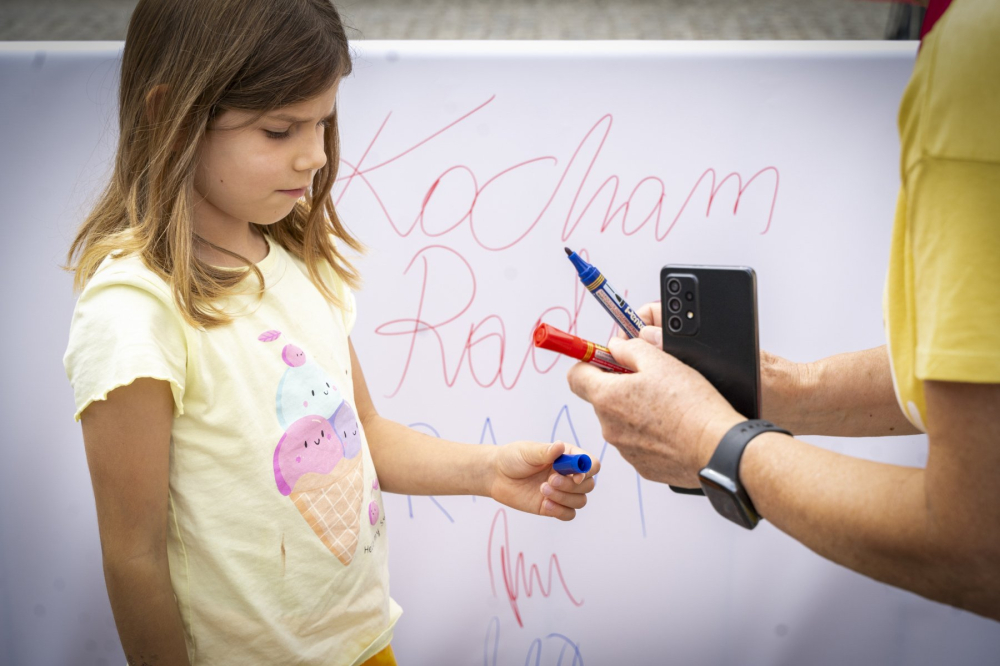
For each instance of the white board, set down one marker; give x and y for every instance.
(467, 166)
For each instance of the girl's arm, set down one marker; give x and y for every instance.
(518, 474)
(127, 438)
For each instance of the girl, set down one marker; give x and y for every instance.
(231, 439)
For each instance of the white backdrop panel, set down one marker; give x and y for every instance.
(466, 167)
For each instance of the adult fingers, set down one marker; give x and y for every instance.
(634, 354)
(584, 379)
(650, 313)
(653, 335)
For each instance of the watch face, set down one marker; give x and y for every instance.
(721, 492)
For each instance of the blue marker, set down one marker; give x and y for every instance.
(578, 464)
(616, 306)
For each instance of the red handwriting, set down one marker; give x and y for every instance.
(481, 207)
(514, 574)
(484, 348)
(479, 332)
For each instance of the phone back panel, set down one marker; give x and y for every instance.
(724, 346)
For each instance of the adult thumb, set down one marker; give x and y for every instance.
(631, 353)
(653, 335)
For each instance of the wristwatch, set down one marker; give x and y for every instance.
(720, 479)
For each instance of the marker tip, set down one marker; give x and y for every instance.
(568, 251)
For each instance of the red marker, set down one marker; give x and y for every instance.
(548, 337)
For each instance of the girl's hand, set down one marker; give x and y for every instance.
(523, 479)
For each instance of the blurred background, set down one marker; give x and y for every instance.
(525, 19)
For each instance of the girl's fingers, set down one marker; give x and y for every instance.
(571, 500)
(550, 508)
(594, 462)
(570, 485)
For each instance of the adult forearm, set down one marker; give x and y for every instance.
(412, 463)
(847, 395)
(145, 611)
(870, 517)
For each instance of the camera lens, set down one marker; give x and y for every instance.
(674, 304)
(673, 285)
(675, 324)
(689, 296)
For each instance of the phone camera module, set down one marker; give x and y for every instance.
(674, 286)
(674, 304)
(675, 324)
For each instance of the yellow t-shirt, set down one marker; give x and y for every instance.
(942, 299)
(277, 542)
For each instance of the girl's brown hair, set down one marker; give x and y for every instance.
(184, 62)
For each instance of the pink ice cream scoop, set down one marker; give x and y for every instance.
(293, 356)
(308, 445)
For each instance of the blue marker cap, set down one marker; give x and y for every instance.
(586, 271)
(578, 464)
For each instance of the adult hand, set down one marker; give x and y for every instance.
(524, 479)
(650, 314)
(782, 381)
(665, 419)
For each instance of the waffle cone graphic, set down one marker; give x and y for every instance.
(331, 504)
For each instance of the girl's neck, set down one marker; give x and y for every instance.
(248, 242)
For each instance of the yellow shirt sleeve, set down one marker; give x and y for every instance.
(124, 327)
(955, 223)
(942, 306)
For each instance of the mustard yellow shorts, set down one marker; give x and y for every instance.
(383, 658)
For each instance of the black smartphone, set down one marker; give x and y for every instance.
(710, 323)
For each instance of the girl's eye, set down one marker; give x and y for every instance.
(276, 135)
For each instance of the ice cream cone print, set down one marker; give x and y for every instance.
(331, 504)
(316, 463)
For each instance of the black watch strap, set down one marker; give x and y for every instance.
(728, 453)
(726, 459)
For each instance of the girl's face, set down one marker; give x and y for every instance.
(257, 172)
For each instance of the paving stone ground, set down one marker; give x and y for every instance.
(507, 19)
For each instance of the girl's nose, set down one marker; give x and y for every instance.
(312, 155)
